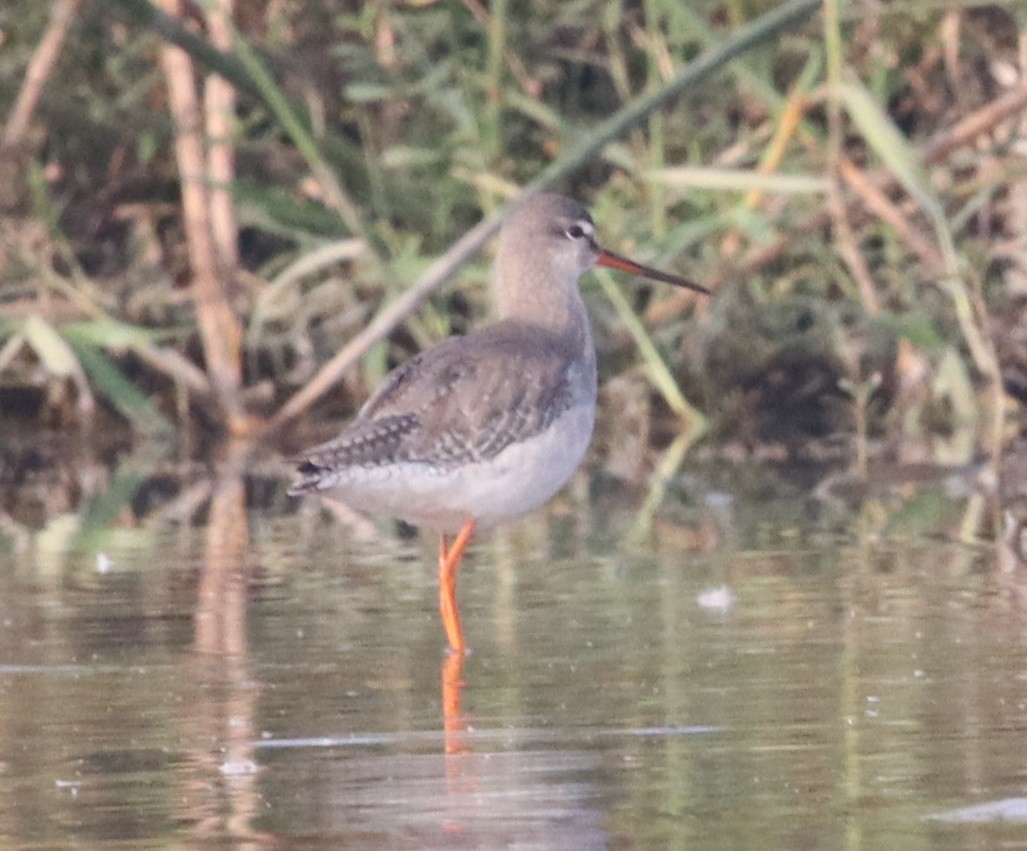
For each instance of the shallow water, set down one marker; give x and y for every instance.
(758, 670)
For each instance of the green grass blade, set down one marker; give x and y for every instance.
(888, 142)
(737, 180)
(103, 509)
(107, 334)
(50, 347)
(298, 132)
(124, 395)
(659, 372)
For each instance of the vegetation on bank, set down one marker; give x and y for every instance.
(228, 212)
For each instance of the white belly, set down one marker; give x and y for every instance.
(519, 479)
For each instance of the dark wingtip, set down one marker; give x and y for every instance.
(306, 467)
(310, 473)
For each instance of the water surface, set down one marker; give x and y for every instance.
(757, 670)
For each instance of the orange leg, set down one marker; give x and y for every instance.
(454, 725)
(449, 567)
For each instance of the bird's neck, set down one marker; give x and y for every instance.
(556, 306)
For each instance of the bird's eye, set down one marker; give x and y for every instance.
(576, 231)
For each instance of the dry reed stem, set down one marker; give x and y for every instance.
(41, 65)
(784, 132)
(175, 366)
(219, 108)
(220, 331)
(845, 240)
(848, 247)
(882, 206)
(984, 120)
(944, 143)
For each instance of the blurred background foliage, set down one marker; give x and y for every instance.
(852, 188)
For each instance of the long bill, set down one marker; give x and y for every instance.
(615, 261)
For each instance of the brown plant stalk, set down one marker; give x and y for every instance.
(43, 60)
(220, 330)
(219, 110)
(872, 188)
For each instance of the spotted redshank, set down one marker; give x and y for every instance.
(482, 428)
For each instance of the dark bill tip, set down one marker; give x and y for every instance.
(615, 261)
